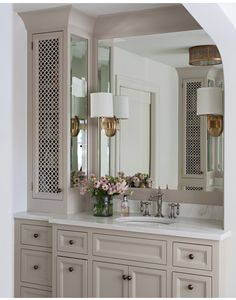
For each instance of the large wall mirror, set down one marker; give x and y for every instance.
(79, 111)
(163, 135)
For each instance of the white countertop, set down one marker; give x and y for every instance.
(182, 227)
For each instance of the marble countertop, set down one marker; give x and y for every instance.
(182, 227)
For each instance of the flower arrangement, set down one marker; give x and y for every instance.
(139, 180)
(106, 185)
(102, 190)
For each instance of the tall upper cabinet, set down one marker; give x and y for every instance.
(59, 46)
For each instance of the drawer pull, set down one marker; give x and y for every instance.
(190, 287)
(70, 269)
(191, 256)
(129, 277)
(124, 277)
(36, 235)
(36, 267)
(71, 242)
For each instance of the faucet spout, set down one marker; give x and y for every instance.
(159, 203)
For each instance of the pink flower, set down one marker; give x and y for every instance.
(97, 184)
(105, 187)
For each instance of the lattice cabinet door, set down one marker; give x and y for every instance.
(193, 132)
(47, 70)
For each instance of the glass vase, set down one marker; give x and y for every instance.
(103, 206)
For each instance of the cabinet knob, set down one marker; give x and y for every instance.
(71, 242)
(70, 269)
(124, 277)
(191, 256)
(129, 277)
(59, 190)
(36, 235)
(190, 287)
(36, 267)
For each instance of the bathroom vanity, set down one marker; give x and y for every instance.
(85, 256)
(61, 251)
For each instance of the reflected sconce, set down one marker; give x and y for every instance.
(76, 126)
(210, 104)
(204, 55)
(110, 109)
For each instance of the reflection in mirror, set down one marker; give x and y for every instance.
(163, 136)
(79, 78)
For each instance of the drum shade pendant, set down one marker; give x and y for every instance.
(205, 55)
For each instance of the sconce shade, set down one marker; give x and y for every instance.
(79, 87)
(210, 101)
(121, 107)
(101, 105)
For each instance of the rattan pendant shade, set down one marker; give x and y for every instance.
(205, 55)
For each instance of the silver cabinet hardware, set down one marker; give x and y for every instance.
(129, 277)
(36, 235)
(71, 242)
(124, 277)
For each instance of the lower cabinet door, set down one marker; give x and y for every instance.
(26, 292)
(147, 283)
(109, 280)
(191, 286)
(71, 277)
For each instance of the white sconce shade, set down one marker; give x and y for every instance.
(101, 105)
(121, 107)
(209, 101)
(79, 87)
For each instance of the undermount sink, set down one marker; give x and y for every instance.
(144, 219)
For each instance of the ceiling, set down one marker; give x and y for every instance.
(168, 48)
(94, 9)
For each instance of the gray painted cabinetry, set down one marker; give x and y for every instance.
(71, 261)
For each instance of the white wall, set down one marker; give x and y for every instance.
(220, 24)
(165, 79)
(13, 140)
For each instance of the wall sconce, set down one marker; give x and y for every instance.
(76, 126)
(110, 109)
(210, 104)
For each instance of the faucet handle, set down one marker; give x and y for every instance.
(177, 209)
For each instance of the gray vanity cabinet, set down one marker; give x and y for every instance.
(108, 280)
(147, 283)
(70, 261)
(118, 281)
(71, 278)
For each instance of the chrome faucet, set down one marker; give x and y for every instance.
(144, 208)
(174, 210)
(159, 203)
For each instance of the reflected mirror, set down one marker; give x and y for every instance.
(79, 78)
(163, 135)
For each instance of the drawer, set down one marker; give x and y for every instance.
(36, 235)
(192, 256)
(191, 286)
(153, 251)
(36, 267)
(72, 241)
(26, 292)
